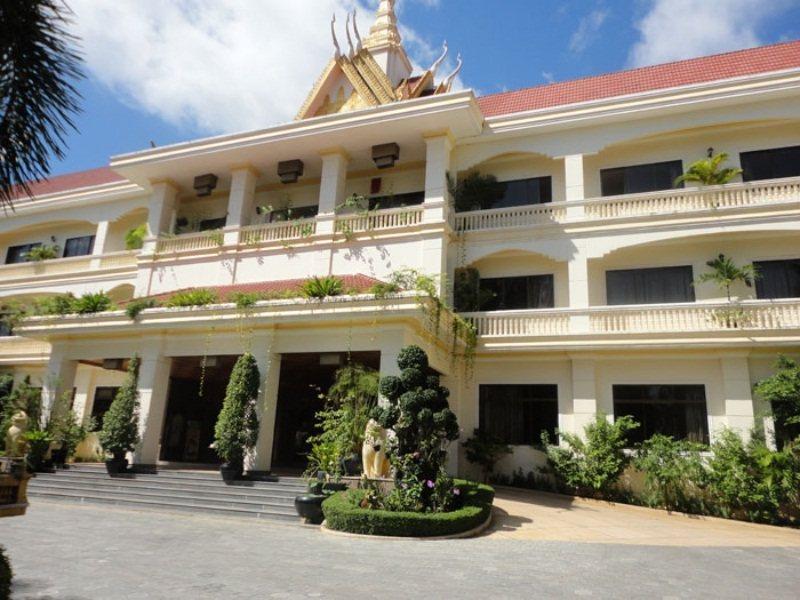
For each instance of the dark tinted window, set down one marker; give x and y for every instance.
(678, 411)
(517, 293)
(212, 224)
(103, 397)
(638, 179)
(517, 414)
(650, 286)
(521, 192)
(16, 254)
(79, 246)
(396, 200)
(301, 212)
(771, 164)
(778, 279)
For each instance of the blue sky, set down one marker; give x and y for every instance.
(174, 70)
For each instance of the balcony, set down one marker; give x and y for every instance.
(754, 320)
(67, 268)
(19, 350)
(712, 199)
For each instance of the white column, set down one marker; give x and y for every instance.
(59, 379)
(241, 202)
(161, 213)
(739, 411)
(584, 393)
(269, 367)
(439, 149)
(574, 181)
(101, 238)
(154, 372)
(331, 188)
(578, 273)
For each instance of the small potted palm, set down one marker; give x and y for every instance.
(236, 431)
(120, 432)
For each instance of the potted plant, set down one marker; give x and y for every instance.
(39, 442)
(236, 431)
(309, 505)
(707, 171)
(120, 432)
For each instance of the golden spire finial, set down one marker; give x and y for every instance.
(385, 30)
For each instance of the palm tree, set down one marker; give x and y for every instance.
(707, 172)
(724, 272)
(37, 97)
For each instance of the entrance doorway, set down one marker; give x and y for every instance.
(304, 379)
(191, 412)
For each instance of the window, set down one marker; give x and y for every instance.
(640, 178)
(5, 326)
(103, 397)
(521, 192)
(678, 411)
(396, 200)
(517, 293)
(16, 254)
(518, 414)
(770, 164)
(301, 212)
(212, 224)
(649, 286)
(79, 246)
(778, 279)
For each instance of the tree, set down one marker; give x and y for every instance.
(708, 172)
(782, 392)
(37, 96)
(724, 272)
(485, 450)
(120, 431)
(236, 431)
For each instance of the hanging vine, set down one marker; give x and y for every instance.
(204, 362)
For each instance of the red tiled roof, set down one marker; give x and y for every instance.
(741, 63)
(358, 283)
(74, 181)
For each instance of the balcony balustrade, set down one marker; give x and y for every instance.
(277, 232)
(377, 220)
(76, 265)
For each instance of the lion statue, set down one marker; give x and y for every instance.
(16, 445)
(373, 452)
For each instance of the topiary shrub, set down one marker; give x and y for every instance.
(236, 431)
(6, 575)
(120, 431)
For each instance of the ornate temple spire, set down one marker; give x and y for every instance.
(384, 32)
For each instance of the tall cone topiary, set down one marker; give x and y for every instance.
(236, 431)
(120, 431)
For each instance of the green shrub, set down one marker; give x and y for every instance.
(782, 392)
(60, 305)
(244, 300)
(23, 397)
(322, 287)
(135, 307)
(476, 192)
(120, 431)
(344, 512)
(6, 575)
(236, 430)
(485, 450)
(592, 466)
(66, 428)
(38, 446)
(675, 475)
(92, 303)
(134, 238)
(43, 252)
(195, 297)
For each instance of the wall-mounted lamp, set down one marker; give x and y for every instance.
(205, 184)
(290, 170)
(385, 155)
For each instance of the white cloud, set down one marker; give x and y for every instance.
(678, 29)
(588, 30)
(215, 65)
(548, 76)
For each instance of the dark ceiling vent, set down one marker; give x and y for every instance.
(205, 184)
(385, 155)
(290, 170)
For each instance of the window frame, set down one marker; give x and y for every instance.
(24, 249)
(545, 182)
(690, 289)
(486, 305)
(94, 414)
(751, 154)
(77, 239)
(549, 396)
(759, 283)
(624, 170)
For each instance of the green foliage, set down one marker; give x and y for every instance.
(60, 305)
(322, 287)
(134, 308)
(244, 300)
(26, 398)
(43, 252)
(65, 427)
(476, 192)
(782, 392)
(675, 475)
(348, 511)
(707, 171)
(193, 297)
(419, 414)
(485, 450)
(120, 431)
(92, 303)
(592, 465)
(466, 290)
(236, 431)
(134, 238)
(38, 446)
(724, 273)
(6, 574)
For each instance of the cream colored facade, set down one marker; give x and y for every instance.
(582, 345)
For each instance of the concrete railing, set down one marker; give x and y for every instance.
(13, 348)
(518, 216)
(68, 266)
(379, 219)
(277, 232)
(189, 242)
(527, 323)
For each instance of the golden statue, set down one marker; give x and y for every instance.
(16, 446)
(373, 452)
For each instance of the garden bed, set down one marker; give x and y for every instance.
(343, 513)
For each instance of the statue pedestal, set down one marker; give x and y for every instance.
(13, 487)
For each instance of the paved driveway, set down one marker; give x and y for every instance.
(72, 552)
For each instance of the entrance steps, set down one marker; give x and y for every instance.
(185, 491)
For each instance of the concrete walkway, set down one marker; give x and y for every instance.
(527, 515)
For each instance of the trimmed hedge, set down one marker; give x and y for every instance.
(343, 513)
(5, 575)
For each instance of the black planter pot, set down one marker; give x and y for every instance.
(116, 466)
(309, 507)
(230, 473)
(59, 457)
